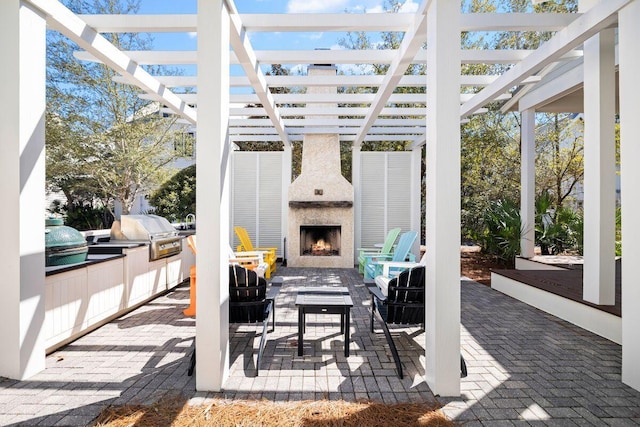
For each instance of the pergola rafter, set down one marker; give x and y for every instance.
(296, 57)
(382, 99)
(63, 20)
(340, 81)
(411, 43)
(599, 17)
(247, 58)
(299, 22)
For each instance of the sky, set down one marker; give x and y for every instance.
(269, 41)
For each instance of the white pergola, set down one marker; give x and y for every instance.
(435, 120)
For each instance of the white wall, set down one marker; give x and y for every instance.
(257, 194)
(386, 179)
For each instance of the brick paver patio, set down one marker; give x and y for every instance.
(525, 367)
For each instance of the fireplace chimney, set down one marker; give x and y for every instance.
(321, 196)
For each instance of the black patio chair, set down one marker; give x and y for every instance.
(404, 305)
(250, 302)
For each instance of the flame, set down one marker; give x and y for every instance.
(321, 245)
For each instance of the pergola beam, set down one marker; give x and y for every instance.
(410, 46)
(245, 54)
(66, 22)
(387, 130)
(340, 81)
(343, 138)
(297, 22)
(317, 98)
(597, 18)
(355, 123)
(341, 111)
(337, 56)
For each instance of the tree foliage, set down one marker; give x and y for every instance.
(176, 198)
(490, 157)
(104, 142)
(501, 230)
(559, 157)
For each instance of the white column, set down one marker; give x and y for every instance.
(286, 182)
(628, 36)
(416, 196)
(356, 170)
(22, 84)
(528, 182)
(443, 199)
(599, 168)
(212, 195)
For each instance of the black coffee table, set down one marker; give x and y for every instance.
(324, 300)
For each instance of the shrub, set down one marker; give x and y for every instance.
(176, 198)
(502, 229)
(558, 230)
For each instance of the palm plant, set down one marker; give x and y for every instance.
(558, 229)
(502, 230)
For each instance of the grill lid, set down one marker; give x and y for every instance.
(146, 227)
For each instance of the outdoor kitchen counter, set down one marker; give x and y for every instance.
(114, 247)
(91, 260)
(81, 297)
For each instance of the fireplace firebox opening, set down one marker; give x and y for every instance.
(320, 240)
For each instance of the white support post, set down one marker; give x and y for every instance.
(286, 182)
(416, 196)
(629, 64)
(599, 168)
(528, 183)
(212, 195)
(22, 177)
(356, 170)
(443, 199)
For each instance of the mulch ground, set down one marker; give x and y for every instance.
(477, 266)
(175, 412)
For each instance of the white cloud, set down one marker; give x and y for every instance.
(192, 35)
(376, 9)
(352, 6)
(409, 6)
(316, 6)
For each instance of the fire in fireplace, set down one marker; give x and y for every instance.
(320, 240)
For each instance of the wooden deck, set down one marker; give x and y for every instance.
(566, 283)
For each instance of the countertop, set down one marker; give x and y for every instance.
(91, 259)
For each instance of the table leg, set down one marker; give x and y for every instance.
(342, 323)
(346, 332)
(300, 329)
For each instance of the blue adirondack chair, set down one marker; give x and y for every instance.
(402, 252)
(387, 249)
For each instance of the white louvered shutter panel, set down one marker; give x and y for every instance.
(372, 198)
(270, 201)
(399, 190)
(245, 175)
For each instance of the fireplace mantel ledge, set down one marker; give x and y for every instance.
(321, 204)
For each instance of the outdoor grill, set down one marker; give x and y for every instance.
(162, 237)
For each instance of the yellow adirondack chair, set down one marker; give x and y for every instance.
(246, 245)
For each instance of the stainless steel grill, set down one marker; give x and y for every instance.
(163, 239)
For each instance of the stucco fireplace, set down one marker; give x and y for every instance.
(320, 199)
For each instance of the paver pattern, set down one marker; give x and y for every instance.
(525, 367)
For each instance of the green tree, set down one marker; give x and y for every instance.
(559, 157)
(176, 198)
(104, 143)
(490, 155)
